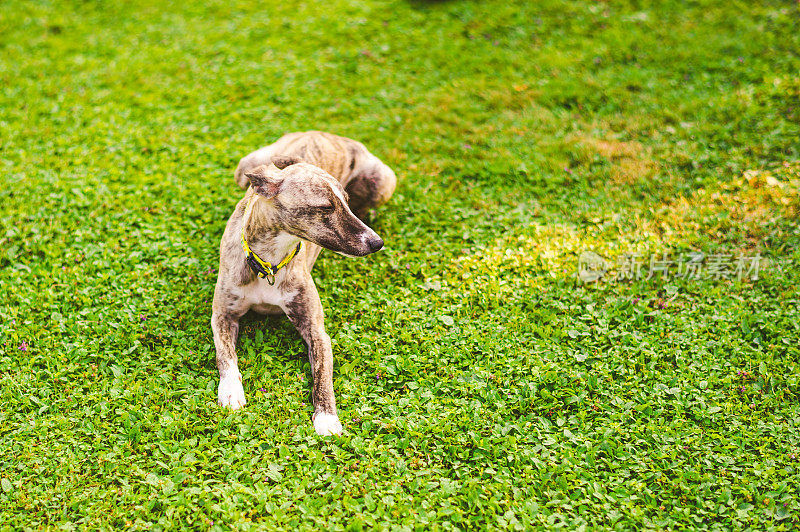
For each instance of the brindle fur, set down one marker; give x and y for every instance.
(315, 187)
(366, 179)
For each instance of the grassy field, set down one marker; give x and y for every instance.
(480, 383)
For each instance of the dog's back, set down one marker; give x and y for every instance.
(336, 155)
(368, 181)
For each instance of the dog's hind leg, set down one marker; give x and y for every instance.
(305, 312)
(371, 187)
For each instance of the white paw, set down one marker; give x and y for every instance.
(327, 424)
(231, 392)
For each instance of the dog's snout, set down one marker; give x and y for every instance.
(375, 244)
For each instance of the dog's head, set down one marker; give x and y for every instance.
(311, 204)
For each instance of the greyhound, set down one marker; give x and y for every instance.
(305, 192)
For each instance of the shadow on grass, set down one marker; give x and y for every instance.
(425, 4)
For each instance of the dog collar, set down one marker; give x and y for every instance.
(260, 267)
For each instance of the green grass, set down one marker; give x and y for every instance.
(479, 383)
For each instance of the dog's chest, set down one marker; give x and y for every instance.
(264, 297)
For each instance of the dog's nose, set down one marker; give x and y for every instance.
(375, 244)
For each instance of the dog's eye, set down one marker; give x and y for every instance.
(328, 207)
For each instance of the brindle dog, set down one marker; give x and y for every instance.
(313, 188)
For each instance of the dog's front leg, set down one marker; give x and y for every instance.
(226, 329)
(305, 312)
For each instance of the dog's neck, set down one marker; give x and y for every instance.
(264, 234)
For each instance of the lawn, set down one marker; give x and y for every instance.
(481, 383)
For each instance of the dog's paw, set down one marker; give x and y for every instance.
(327, 424)
(231, 392)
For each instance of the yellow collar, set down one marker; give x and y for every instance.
(260, 267)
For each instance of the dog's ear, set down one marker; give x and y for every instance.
(264, 181)
(282, 161)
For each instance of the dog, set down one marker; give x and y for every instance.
(307, 191)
